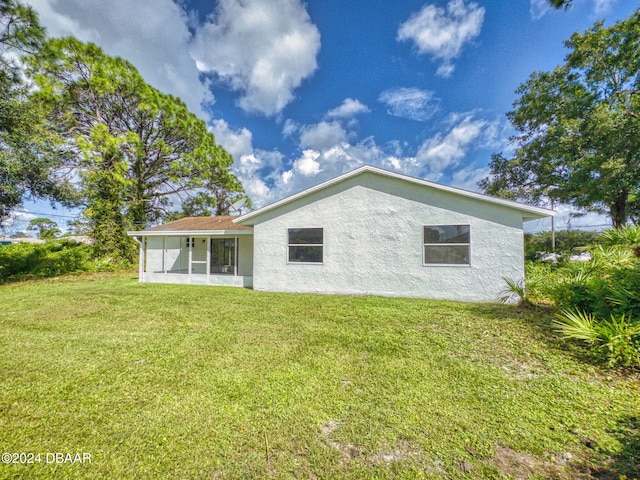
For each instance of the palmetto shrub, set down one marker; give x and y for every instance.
(599, 298)
(607, 284)
(616, 339)
(626, 236)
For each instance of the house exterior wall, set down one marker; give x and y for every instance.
(373, 242)
(245, 255)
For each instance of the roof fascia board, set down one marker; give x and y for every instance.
(192, 233)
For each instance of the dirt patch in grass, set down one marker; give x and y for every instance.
(522, 466)
(404, 451)
(348, 451)
(520, 369)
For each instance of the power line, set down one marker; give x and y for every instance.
(46, 214)
(63, 216)
(591, 226)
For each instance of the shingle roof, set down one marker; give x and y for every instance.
(197, 224)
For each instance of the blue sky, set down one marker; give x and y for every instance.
(299, 92)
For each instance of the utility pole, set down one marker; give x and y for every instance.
(553, 230)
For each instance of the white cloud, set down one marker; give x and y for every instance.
(262, 48)
(323, 135)
(603, 6)
(307, 165)
(253, 167)
(139, 32)
(444, 151)
(443, 33)
(17, 221)
(257, 190)
(290, 127)
(539, 8)
(468, 177)
(315, 166)
(257, 171)
(348, 109)
(411, 103)
(236, 142)
(329, 151)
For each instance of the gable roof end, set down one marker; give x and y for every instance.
(529, 212)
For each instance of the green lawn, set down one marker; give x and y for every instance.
(166, 381)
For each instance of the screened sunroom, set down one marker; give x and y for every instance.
(197, 250)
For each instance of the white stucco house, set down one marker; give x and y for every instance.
(366, 232)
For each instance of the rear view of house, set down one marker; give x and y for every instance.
(369, 231)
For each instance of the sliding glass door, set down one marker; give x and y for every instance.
(223, 256)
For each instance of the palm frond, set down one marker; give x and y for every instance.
(577, 325)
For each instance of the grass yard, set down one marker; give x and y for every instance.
(167, 381)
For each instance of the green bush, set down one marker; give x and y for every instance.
(622, 292)
(609, 284)
(616, 339)
(600, 298)
(49, 259)
(628, 235)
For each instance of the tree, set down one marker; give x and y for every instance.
(78, 226)
(46, 229)
(579, 128)
(28, 163)
(20, 32)
(138, 151)
(221, 190)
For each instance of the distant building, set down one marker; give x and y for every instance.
(12, 241)
(70, 238)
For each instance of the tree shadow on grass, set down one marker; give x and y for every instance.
(540, 319)
(625, 463)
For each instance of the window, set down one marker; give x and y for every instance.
(447, 245)
(306, 245)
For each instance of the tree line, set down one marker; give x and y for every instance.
(84, 129)
(578, 128)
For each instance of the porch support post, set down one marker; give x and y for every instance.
(208, 258)
(235, 255)
(164, 255)
(142, 259)
(190, 241)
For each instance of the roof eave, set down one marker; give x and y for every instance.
(188, 233)
(533, 215)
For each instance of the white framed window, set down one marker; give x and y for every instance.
(305, 245)
(447, 244)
